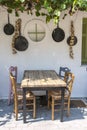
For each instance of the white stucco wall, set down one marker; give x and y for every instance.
(46, 54)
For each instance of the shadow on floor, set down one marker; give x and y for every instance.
(43, 114)
(77, 103)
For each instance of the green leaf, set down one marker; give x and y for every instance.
(43, 14)
(22, 1)
(46, 4)
(63, 6)
(56, 20)
(16, 13)
(49, 9)
(57, 12)
(9, 10)
(38, 7)
(37, 13)
(48, 18)
(21, 8)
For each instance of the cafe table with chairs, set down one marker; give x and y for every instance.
(35, 80)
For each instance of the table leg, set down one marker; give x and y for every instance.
(62, 103)
(24, 105)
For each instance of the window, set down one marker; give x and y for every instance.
(84, 41)
(35, 30)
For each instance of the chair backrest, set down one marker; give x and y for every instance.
(13, 82)
(62, 71)
(13, 70)
(69, 79)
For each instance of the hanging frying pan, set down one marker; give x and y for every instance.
(8, 28)
(21, 43)
(71, 41)
(58, 34)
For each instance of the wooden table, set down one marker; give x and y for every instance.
(42, 80)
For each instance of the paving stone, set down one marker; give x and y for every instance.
(77, 119)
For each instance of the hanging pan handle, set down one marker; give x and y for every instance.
(8, 18)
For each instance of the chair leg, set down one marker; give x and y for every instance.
(10, 96)
(48, 101)
(16, 110)
(16, 114)
(34, 107)
(68, 108)
(52, 108)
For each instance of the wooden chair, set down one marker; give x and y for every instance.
(54, 97)
(62, 71)
(18, 99)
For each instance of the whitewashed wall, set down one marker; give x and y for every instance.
(46, 54)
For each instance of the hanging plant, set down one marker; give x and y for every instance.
(53, 7)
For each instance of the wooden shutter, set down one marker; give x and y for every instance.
(84, 41)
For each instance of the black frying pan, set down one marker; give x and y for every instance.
(8, 28)
(58, 34)
(21, 43)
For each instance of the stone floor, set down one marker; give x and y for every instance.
(77, 119)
